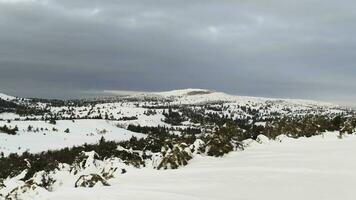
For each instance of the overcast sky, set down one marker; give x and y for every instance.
(273, 48)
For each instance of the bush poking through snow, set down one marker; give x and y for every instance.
(224, 140)
(2, 185)
(52, 121)
(7, 130)
(83, 161)
(218, 145)
(90, 181)
(109, 173)
(14, 164)
(47, 181)
(197, 147)
(30, 187)
(174, 156)
(348, 126)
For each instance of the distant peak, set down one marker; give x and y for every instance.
(184, 92)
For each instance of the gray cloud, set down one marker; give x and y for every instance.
(65, 48)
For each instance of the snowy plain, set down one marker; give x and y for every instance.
(321, 167)
(43, 138)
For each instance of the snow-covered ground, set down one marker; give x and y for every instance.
(314, 168)
(137, 106)
(44, 136)
(6, 97)
(321, 167)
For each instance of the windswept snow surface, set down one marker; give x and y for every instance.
(310, 169)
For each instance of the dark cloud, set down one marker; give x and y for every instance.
(69, 48)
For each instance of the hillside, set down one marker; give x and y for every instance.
(194, 110)
(49, 147)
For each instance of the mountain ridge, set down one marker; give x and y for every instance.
(190, 93)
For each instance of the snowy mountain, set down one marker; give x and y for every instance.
(196, 96)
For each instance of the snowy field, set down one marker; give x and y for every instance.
(318, 168)
(43, 138)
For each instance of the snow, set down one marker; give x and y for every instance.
(172, 93)
(306, 168)
(6, 97)
(294, 169)
(262, 139)
(81, 131)
(260, 124)
(198, 96)
(9, 116)
(183, 97)
(234, 106)
(181, 92)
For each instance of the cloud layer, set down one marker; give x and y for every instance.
(67, 48)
